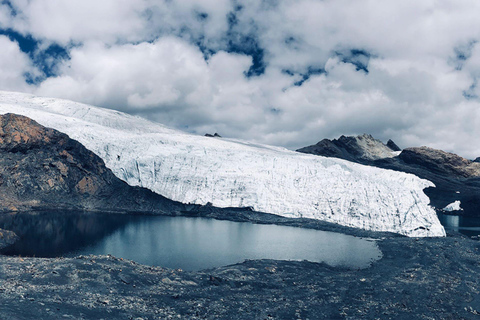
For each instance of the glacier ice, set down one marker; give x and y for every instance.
(233, 173)
(454, 206)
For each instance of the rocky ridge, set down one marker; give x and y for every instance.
(455, 178)
(441, 162)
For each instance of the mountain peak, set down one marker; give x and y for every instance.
(392, 145)
(359, 148)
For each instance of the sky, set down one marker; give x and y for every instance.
(281, 72)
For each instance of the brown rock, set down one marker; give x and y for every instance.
(41, 168)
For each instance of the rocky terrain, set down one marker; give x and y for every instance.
(455, 178)
(41, 168)
(440, 162)
(428, 278)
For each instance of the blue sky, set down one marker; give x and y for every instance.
(282, 72)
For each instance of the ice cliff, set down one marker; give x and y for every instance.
(233, 173)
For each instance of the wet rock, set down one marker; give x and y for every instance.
(7, 238)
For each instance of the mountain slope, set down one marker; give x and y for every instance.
(358, 149)
(455, 178)
(232, 173)
(41, 168)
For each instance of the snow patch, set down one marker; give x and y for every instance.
(233, 173)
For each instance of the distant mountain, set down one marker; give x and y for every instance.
(41, 168)
(193, 169)
(456, 178)
(363, 148)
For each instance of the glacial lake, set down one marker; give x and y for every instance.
(469, 226)
(179, 242)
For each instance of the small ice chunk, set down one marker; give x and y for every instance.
(454, 206)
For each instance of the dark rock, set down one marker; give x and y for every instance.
(441, 162)
(41, 168)
(216, 135)
(7, 238)
(477, 160)
(392, 145)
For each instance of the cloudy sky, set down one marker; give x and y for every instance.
(282, 72)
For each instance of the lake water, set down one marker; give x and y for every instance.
(469, 226)
(180, 242)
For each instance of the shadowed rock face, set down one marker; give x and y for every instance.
(392, 145)
(41, 168)
(456, 178)
(477, 160)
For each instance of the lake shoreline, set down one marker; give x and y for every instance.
(417, 278)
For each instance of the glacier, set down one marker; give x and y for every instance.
(233, 173)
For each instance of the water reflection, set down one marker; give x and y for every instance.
(469, 226)
(51, 234)
(179, 242)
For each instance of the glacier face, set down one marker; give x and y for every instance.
(233, 173)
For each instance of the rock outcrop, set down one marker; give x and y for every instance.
(41, 168)
(215, 135)
(7, 238)
(455, 178)
(392, 145)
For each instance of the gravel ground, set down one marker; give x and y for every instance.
(428, 278)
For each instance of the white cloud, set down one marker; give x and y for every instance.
(80, 20)
(143, 56)
(14, 66)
